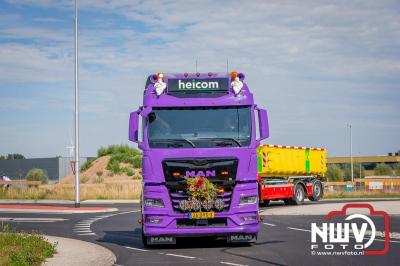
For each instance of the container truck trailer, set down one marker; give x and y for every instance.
(199, 135)
(290, 173)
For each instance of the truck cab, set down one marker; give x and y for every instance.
(203, 126)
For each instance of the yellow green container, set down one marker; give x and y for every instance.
(281, 161)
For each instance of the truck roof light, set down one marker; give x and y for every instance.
(198, 74)
(185, 74)
(241, 76)
(160, 76)
(234, 74)
(209, 74)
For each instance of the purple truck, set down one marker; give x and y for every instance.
(198, 125)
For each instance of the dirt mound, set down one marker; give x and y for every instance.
(97, 173)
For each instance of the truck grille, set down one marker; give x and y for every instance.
(176, 197)
(177, 186)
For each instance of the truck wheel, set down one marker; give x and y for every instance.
(299, 195)
(317, 191)
(264, 203)
(144, 238)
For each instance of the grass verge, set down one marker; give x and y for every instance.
(361, 194)
(131, 190)
(23, 249)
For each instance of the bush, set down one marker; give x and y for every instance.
(99, 173)
(383, 169)
(86, 165)
(37, 174)
(114, 149)
(121, 154)
(129, 171)
(84, 179)
(356, 171)
(397, 169)
(334, 173)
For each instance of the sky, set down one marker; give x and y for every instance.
(316, 66)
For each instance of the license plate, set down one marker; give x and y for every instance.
(201, 215)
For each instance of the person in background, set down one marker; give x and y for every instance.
(6, 178)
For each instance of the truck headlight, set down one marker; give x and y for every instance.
(248, 200)
(153, 202)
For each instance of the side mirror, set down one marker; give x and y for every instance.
(134, 126)
(263, 123)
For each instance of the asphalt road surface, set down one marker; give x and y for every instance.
(283, 240)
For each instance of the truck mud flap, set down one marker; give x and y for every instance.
(242, 238)
(161, 240)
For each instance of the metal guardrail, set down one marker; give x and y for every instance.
(20, 182)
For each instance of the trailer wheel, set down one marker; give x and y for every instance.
(317, 191)
(299, 194)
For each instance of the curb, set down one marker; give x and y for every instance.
(52, 209)
(13, 201)
(76, 252)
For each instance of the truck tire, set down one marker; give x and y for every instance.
(144, 238)
(264, 203)
(298, 194)
(317, 191)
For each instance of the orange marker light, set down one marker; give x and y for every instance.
(221, 190)
(224, 173)
(234, 74)
(176, 174)
(160, 75)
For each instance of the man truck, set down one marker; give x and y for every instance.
(199, 135)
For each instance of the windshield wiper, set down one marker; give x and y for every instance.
(223, 139)
(176, 140)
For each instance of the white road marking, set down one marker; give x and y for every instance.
(269, 224)
(38, 220)
(138, 249)
(83, 231)
(231, 263)
(377, 239)
(87, 234)
(128, 212)
(299, 229)
(181, 256)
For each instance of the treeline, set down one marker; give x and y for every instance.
(12, 156)
(336, 173)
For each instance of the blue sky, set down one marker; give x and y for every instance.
(316, 66)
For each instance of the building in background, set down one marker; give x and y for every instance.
(56, 167)
(368, 163)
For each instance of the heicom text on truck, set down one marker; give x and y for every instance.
(199, 135)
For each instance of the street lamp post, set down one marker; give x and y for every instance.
(351, 153)
(77, 198)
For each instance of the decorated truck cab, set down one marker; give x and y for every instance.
(199, 134)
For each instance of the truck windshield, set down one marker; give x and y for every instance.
(199, 127)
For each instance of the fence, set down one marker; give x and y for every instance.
(366, 184)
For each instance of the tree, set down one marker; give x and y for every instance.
(397, 169)
(356, 171)
(15, 156)
(37, 174)
(334, 173)
(2, 157)
(383, 169)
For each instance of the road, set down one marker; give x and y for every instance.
(283, 240)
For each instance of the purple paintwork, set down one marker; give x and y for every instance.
(153, 175)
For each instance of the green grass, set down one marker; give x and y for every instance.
(121, 154)
(23, 249)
